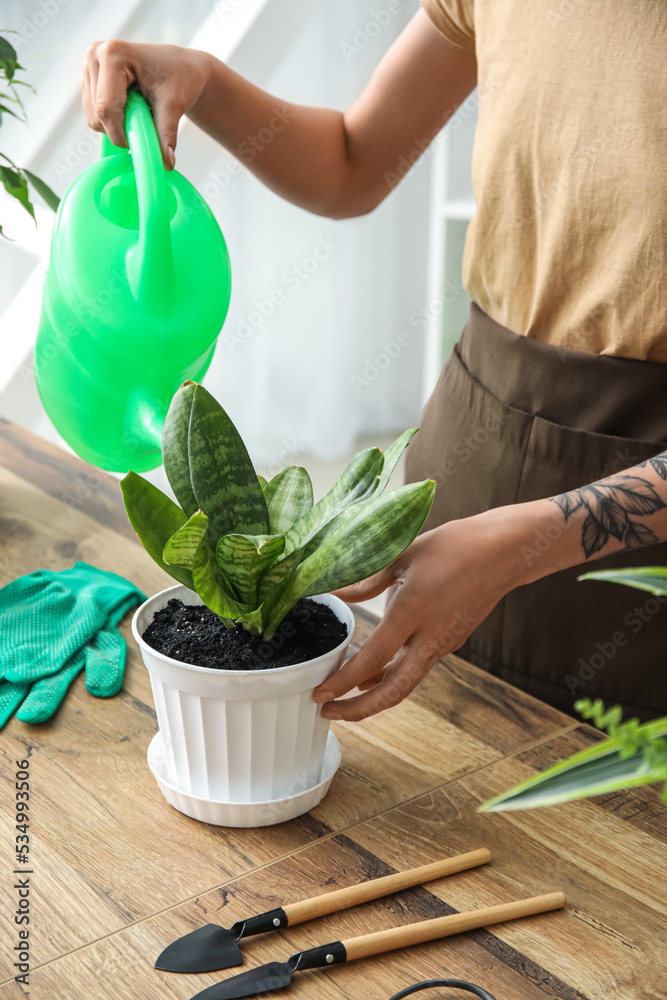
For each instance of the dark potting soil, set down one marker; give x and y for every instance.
(194, 634)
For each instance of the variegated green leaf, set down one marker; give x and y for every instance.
(262, 482)
(597, 770)
(392, 455)
(274, 582)
(650, 578)
(222, 475)
(175, 447)
(288, 497)
(209, 586)
(366, 541)
(359, 480)
(155, 518)
(243, 559)
(181, 548)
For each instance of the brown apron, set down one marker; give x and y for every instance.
(512, 420)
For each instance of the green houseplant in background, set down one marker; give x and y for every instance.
(245, 745)
(16, 179)
(633, 754)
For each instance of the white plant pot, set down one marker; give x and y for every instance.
(247, 736)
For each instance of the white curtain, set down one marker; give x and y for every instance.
(337, 352)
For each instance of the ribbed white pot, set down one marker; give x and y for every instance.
(239, 736)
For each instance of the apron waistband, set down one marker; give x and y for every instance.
(620, 397)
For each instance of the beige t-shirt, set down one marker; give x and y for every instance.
(569, 241)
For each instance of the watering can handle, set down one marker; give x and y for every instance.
(151, 270)
(107, 148)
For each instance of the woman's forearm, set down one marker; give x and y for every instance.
(625, 511)
(329, 162)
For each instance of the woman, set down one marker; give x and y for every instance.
(547, 430)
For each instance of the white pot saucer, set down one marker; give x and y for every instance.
(244, 814)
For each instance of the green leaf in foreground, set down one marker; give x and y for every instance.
(288, 497)
(211, 589)
(175, 453)
(182, 547)
(155, 518)
(359, 480)
(222, 475)
(243, 559)
(650, 578)
(609, 766)
(393, 454)
(367, 538)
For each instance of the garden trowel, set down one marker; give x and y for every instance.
(211, 948)
(277, 975)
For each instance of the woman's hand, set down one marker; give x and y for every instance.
(446, 583)
(170, 78)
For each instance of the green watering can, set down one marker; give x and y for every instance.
(135, 296)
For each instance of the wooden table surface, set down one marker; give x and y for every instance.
(118, 873)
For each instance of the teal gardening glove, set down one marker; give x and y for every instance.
(52, 625)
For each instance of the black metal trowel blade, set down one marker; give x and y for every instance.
(211, 948)
(208, 949)
(273, 976)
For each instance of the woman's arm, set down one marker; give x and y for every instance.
(452, 577)
(333, 163)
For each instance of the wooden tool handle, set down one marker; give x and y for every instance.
(431, 930)
(341, 899)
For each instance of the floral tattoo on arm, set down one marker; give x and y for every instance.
(611, 506)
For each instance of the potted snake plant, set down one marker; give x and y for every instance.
(236, 649)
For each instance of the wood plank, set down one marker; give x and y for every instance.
(65, 477)
(606, 945)
(100, 819)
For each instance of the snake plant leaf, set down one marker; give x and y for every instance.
(288, 497)
(243, 559)
(207, 583)
(274, 582)
(392, 455)
(650, 578)
(366, 541)
(222, 475)
(155, 518)
(596, 770)
(175, 447)
(359, 480)
(262, 482)
(181, 548)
